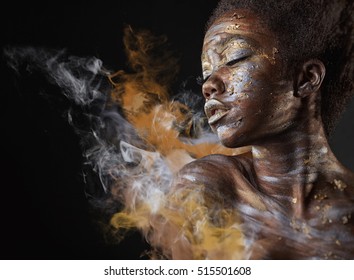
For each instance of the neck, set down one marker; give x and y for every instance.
(289, 167)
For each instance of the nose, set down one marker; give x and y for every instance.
(212, 87)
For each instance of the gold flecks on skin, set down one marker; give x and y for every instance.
(237, 16)
(320, 196)
(345, 220)
(295, 225)
(339, 185)
(230, 90)
(236, 77)
(239, 43)
(271, 59)
(306, 230)
(221, 54)
(275, 51)
(232, 27)
(244, 95)
(325, 212)
(300, 226)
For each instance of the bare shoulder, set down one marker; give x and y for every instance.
(214, 167)
(216, 173)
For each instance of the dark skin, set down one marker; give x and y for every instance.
(295, 198)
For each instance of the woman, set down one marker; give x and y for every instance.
(276, 75)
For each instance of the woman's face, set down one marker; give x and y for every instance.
(247, 98)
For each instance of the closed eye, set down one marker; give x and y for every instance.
(236, 60)
(232, 62)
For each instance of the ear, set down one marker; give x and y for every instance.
(309, 78)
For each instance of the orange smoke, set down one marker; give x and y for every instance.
(178, 225)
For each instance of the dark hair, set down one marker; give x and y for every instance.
(306, 29)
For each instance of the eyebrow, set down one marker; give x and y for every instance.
(225, 41)
(248, 40)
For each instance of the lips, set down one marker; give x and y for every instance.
(215, 110)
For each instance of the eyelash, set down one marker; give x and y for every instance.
(232, 62)
(235, 61)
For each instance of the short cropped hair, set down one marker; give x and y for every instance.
(310, 29)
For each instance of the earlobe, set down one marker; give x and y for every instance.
(309, 78)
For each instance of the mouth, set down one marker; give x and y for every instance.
(215, 110)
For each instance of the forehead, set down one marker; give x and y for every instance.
(238, 25)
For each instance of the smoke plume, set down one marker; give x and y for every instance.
(135, 135)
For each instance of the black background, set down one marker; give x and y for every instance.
(44, 211)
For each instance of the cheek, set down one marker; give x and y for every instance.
(237, 80)
(270, 113)
(258, 110)
(258, 94)
(254, 111)
(245, 79)
(284, 110)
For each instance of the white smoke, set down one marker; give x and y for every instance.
(110, 144)
(133, 172)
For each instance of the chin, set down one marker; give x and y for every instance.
(239, 139)
(231, 133)
(234, 141)
(232, 144)
(231, 138)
